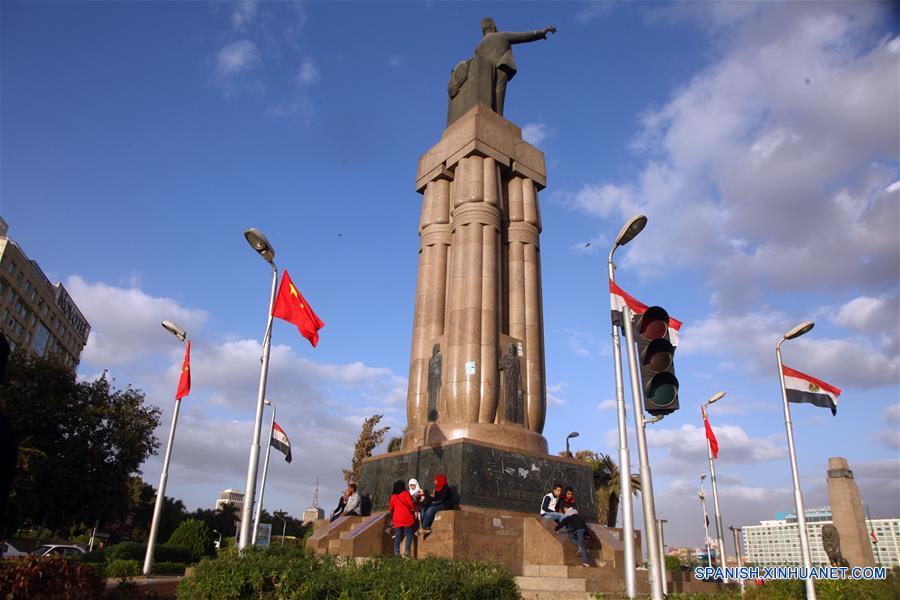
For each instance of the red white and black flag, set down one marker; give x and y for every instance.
(281, 442)
(806, 388)
(619, 299)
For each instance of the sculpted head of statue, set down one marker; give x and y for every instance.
(488, 26)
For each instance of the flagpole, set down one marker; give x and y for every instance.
(630, 229)
(874, 537)
(164, 476)
(736, 532)
(715, 488)
(259, 243)
(795, 474)
(705, 522)
(262, 487)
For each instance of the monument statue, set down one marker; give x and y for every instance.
(434, 382)
(512, 396)
(483, 78)
(831, 541)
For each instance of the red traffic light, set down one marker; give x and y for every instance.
(654, 323)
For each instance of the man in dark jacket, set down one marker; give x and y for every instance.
(576, 527)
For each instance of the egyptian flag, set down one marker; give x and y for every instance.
(713, 442)
(184, 382)
(806, 388)
(291, 306)
(619, 299)
(281, 442)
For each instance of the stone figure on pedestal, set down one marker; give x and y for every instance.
(831, 541)
(434, 382)
(512, 394)
(483, 78)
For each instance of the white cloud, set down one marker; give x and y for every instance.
(581, 343)
(553, 392)
(535, 133)
(125, 322)
(608, 404)
(687, 444)
(237, 57)
(244, 14)
(892, 414)
(308, 73)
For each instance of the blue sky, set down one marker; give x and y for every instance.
(139, 140)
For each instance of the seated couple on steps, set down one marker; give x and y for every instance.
(560, 507)
(411, 503)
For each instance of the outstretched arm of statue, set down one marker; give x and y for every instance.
(516, 37)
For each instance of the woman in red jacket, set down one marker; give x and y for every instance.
(403, 515)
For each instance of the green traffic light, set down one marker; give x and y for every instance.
(663, 390)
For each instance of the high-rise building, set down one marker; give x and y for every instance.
(777, 542)
(36, 316)
(231, 497)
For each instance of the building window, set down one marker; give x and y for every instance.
(11, 268)
(41, 337)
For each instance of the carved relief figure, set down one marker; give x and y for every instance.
(434, 382)
(831, 541)
(512, 395)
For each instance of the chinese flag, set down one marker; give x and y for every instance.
(713, 442)
(184, 383)
(291, 306)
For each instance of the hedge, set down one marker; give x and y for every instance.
(137, 551)
(168, 568)
(292, 573)
(122, 569)
(38, 578)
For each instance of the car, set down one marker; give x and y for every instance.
(11, 551)
(58, 550)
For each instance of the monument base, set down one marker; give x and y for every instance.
(508, 436)
(480, 475)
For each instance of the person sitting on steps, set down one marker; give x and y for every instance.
(440, 500)
(353, 503)
(577, 529)
(549, 503)
(566, 501)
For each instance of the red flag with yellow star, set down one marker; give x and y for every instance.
(184, 382)
(291, 306)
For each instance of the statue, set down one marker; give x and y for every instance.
(482, 79)
(831, 541)
(434, 382)
(512, 395)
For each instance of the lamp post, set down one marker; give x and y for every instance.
(715, 489)
(660, 523)
(262, 487)
(628, 233)
(262, 246)
(284, 527)
(702, 497)
(179, 333)
(574, 434)
(795, 474)
(736, 533)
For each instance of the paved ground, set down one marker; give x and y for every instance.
(164, 586)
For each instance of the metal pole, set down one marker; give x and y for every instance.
(715, 489)
(160, 493)
(798, 495)
(253, 465)
(625, 499)
(705, 525)
(262, 486)
(874, 539)
(736, 531)
(646, 477)
(662, 556)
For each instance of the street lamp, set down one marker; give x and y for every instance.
(262, 246)
(262, 488)
(702, 497)
(574, 434)
(179, 333)
(628, 232)
(805, 554)
(660, 523)
(715, 488)
(284, 527)
(736, 533)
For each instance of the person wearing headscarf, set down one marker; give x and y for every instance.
(403, 516)
(576, 527)
(416, 492)
(440, 500)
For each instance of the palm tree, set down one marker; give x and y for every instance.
(606, 484)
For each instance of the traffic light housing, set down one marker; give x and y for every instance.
(656, 356)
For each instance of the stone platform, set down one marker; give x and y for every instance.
(481, 475)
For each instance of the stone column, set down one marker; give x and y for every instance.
(848, 514)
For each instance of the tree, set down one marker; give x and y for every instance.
(80, 443)
(369, 438)
(142, 503)
(195, 536)
(606, 484)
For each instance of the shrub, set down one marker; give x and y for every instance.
(673, 563)
(122, 569)
(137, 551)
(126, 551)
(194, 535)
(98, 567)
(291, 572)
(168, 568)
(829, 589)
(34, 578)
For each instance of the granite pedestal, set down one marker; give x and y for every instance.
(481, 475)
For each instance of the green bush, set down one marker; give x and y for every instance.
(829, 589)
(194, 535)
(122, 569)
(291, 572)
(673, 563)
(34, 578)
(98, 567)
(168, 568)
(126, 551)
(137, 551)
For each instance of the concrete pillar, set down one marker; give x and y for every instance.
(848, 514)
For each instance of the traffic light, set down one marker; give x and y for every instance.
(656, 356)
